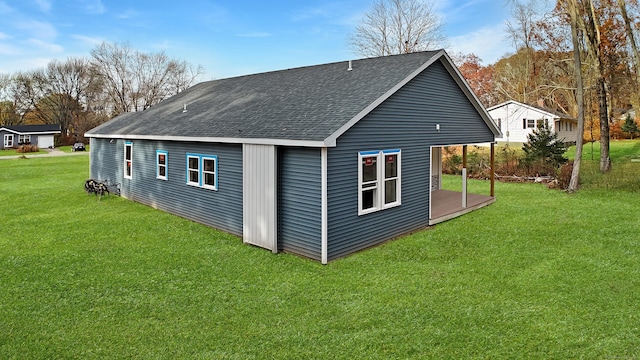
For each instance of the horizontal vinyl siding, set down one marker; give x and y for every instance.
(106, 160)
(406, 121)
(221, 209)
(299, 207)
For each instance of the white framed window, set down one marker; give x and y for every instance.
(8, 140)
(128, 160)
(379, 180)
(162, 157)
(528, 123)
(202, 171)
(24, 139)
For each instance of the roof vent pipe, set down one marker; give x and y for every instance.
(350, 67)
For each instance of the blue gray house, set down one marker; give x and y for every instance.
(40, 135)
(320, 161)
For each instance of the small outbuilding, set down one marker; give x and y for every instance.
(39, 135)
(320, 161)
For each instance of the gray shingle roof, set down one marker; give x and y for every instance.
(302, 104)
(27, 129)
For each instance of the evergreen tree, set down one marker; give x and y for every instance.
(630, 126)
(543, 145)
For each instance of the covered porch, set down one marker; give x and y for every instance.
(448, 204)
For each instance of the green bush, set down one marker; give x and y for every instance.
(544, 151)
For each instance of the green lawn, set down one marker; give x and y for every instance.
(13, 152)
(538, 274)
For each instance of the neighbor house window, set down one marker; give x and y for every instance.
(161, 164)
(24, 139)
(202, 171)
(128, 160)
(499, 123)
(378, 180)
(8, 140)
(528, 123)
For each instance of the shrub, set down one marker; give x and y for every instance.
(27, 148)
(452, 161)
(544, 149)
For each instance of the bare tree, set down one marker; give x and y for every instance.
(8, 114)
(520, 29)
(572, 9)
(114, 63)
(134, 81)
(57, 94)
(631, 38)
(591, 27)
(398, 27)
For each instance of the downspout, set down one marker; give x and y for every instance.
(323, 212)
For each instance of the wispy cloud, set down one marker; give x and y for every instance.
(94, 6)
(128, 14)
(44, 5)
(91, 41)
(47, 46)
(9, 49)
(4, 8)
(487, 43)
(38, 29)
(255, 34)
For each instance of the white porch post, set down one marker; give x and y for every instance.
(464, 177)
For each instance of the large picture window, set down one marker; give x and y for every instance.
(202, 171)
(128, 160)
(378, 180)
(161, 164)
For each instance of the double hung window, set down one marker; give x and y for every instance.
(202, 171)
(8, 140)
(161, 164)
(128, 160)
(378, 180)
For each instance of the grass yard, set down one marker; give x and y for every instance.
(538, 274)
(13, 152)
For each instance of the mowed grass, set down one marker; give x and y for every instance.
(538, 274)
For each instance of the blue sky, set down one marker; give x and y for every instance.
(228, 38)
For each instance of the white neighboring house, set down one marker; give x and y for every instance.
(516, 120)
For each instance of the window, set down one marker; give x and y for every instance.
(528, 123)
(128, 160)
(378, 180)
(8, 140)
(161, 164)
(540, 123)
(24, 139)
(202, 171)
(499, 123)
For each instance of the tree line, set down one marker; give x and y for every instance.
(80, 93)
